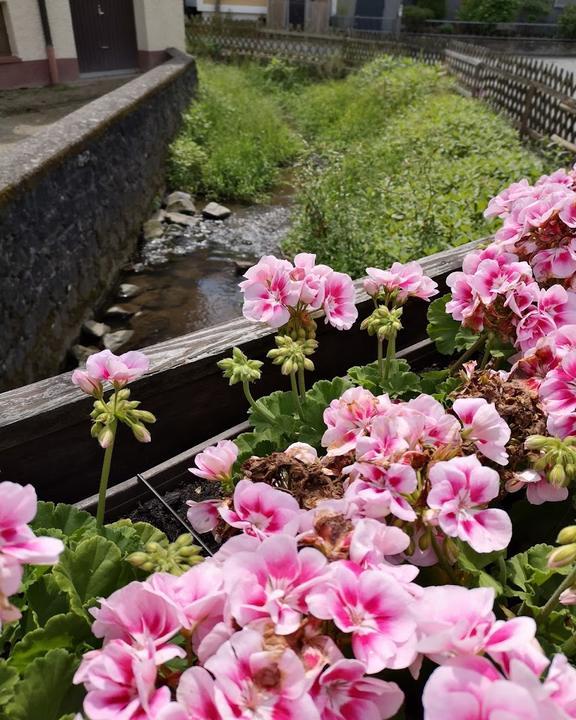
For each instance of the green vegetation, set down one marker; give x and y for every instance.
(234, 138)
(402, 167)
(391, 163)
(567, 22)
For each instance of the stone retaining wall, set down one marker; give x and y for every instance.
(72, 201)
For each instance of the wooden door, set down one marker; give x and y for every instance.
(105, 33)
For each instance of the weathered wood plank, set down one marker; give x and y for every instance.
(44, 427)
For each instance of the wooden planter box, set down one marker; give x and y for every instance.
(44, 427)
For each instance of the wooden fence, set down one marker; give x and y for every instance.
(535, 96)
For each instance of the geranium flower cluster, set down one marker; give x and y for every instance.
(276, 291)
(19, 546)
(400, 282)
(288, 621)
(539, 225)
(496, 292)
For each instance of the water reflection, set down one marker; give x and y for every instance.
(188, 279)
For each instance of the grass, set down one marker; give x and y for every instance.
(234, 138)
(392, 164)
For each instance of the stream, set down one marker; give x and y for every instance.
(188, 279)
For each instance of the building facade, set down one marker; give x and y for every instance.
(51, 41)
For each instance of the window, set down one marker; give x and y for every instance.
(5, 48)
(559, 4)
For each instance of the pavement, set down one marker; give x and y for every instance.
(25, 112)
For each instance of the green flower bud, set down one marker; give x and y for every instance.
(384, 323)
(536, 442)
(137, 559)
(562, 556)
(153, 547)
(145, 416)
(567, 535)
(239, 368)
(140, 433)
(557, 476)
(183, 540)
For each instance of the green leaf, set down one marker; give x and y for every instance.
(447, 333)
(439, 383)
(8, 681)
(45, 691)
(286, 423)
(475, 565)
(93, 569)
(73, 523)
(68, 631)
(46, 599)
(402, 382)
(259, 444)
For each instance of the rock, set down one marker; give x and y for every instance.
(126, 290)
(181, 219)
(115, 340)
(121, 312)
(214, 211)
(83, 352)
(242, 265)
(96, 329)
(152, 229)
(180, 202)
(158, 215)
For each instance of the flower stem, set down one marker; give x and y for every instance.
(554, 599)
(467, 354)
(294, 385)
(380, 359)
(260, 408)
(390, 355)
(104, 477)
(442, 559)
(569, 647)
(486, 356)
(301, 382)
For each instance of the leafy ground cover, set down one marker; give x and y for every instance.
(392, 164)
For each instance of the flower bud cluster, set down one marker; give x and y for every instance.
(292, 355)
(239, 368)
(174, 558)
(119, 408)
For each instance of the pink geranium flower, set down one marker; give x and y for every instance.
(203, 515)
(253, 683)
(538, 489)
(460, 488)
(119, 370)
(261, 510)
(198, 596)
(17, 541)
(215, 463)
(269, 292)
(455, 621)
(390, 488)
(340, 301)
(121, 682)
(374, 609)
(136, 614)
(273, 582)
(478, 692)
(484, 427)
(195, 698)
(343, 692)
(311, 278)
(558, 391)
(400, 282)
(349, 417)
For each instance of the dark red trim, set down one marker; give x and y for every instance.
(9, 59)
(148, 59)
(16, 74)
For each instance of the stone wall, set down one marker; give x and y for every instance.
(72, 201)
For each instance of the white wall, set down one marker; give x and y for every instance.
(25, 29)
(160, 24)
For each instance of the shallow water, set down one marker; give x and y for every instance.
(188, 279)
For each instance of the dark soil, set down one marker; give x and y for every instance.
(188, 487)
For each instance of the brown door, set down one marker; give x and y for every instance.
(105, 34)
